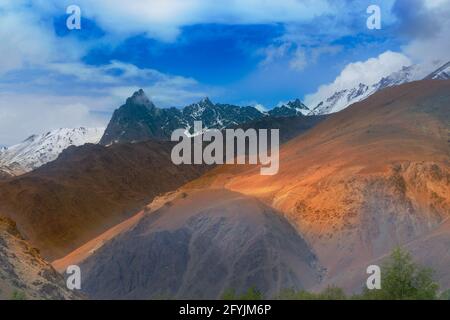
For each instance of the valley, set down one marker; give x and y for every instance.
(125, 211)
(351, 206)
(194, 154)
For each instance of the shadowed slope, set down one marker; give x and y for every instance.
(87, 190)
(197, 246)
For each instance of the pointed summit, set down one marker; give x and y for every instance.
(205, 101)
(139, 98)
(290, 109)
(297, 104)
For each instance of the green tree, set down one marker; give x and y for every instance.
(229, 294)
(402, 279)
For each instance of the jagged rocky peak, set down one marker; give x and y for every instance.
(203, 103)
(297, 104)
(291, 108)
(139, 98)
(358, 91)
(206, 101)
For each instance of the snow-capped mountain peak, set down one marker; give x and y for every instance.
(292, 108)
(37, 150)
(346, 97)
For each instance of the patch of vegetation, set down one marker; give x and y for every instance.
(330, 293)
(402, 279)
(18, 295)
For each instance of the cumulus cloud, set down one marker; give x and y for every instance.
(368, 72)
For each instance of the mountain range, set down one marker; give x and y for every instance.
(139, 119)
(341, 99)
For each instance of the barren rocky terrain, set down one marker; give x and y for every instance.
(23, 272)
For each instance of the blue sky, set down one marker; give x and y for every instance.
(241, 52)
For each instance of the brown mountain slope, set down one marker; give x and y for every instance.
(4, 175)
(431, 250)
(198, 245)
(366, 179)
(23, 273)
(88, 189)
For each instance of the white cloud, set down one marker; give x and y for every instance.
(23, 46)
(163, 18)
(274, 53)
(368, 72)
(73, 94)
(26, 40)
(164, 90)
(434, 48)
(299, 60)
(162, 94)
(296, 56)
(24, 115)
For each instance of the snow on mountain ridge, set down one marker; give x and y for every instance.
(346, 97)
(289, 109)
(443, 73)
(37, 150)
